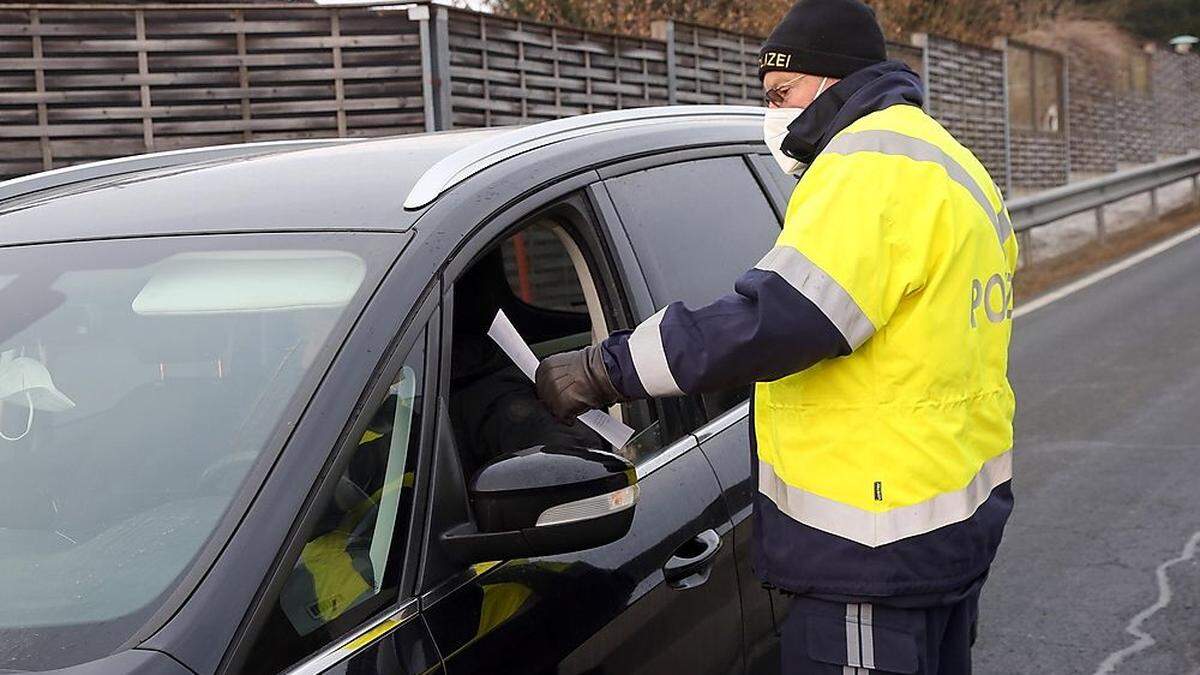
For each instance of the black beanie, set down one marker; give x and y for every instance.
(831, 38)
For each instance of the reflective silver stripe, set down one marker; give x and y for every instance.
(852, 645)
(650, 358)
(822, 290)
(357, 641)
(868, 635)
(1006, 226)
(894, 143)
(876, 529)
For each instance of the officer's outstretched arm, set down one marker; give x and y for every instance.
(763, 331)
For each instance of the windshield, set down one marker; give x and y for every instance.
(139, 381)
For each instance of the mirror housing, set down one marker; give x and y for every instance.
(545, 501)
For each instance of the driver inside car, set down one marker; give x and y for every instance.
(493, 405)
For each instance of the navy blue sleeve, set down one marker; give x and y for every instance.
(766, 329)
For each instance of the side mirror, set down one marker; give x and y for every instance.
(545, 501)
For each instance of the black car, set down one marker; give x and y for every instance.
(251, 420)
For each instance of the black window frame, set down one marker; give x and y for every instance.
(621, 292)
(423, 325)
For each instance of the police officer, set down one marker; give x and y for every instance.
(877, 334)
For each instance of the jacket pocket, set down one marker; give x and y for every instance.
(880, 649)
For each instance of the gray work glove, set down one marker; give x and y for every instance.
(573, 383)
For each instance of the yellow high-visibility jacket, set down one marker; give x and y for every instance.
(878, 331)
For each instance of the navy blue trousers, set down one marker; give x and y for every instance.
(834, 638)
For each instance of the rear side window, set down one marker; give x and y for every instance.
(696, 226)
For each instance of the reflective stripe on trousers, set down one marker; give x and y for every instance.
(860, 639)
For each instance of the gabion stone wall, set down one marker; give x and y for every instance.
(1135, 121)
(1090, 114)
(966, 94)
(1039, 160)
(1176, 86)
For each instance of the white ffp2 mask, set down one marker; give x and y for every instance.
(775, 130)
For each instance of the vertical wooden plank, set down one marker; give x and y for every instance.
(339, 84)
(239, 18)
(587, 77)
(672, 64)
(521, 73)
(39, 80)
(645, 79)
(487, 73)
(139, 17)
(721, 73)
(617, 71)
(557, 70)
(745, 75)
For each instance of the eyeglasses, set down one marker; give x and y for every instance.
(777, 95)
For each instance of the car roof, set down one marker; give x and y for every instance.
(316, 185)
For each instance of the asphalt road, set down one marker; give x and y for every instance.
(1107, 482)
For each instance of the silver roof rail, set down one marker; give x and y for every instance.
(474, 158)
(48, 180)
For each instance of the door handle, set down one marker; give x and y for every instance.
(693, 561)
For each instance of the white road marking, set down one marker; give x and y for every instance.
(1144, 641)
(1096, 277)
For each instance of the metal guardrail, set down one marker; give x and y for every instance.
(1094, 194)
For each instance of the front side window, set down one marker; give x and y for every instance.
(540, 279)
(343, 575)
(139, 382)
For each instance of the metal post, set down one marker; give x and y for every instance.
(239, 20)
(1154, 204)
(443, 110)
(1101, 227)
(39, 79)
(921, 40)
(339, 83)
(1002, 46)
(139, 18)
(1026, 239)
(665, 31)
(420, 14)
(1196, 189)
(1064, 119)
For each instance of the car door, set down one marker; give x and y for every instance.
(664, 597)
(342, 599)
(696, 226)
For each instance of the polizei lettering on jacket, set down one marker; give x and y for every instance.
(993, 298)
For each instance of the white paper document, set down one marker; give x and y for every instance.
(510, 341)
